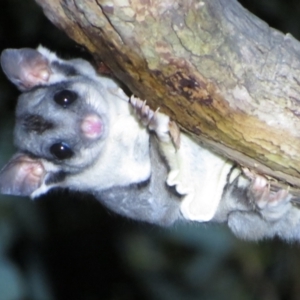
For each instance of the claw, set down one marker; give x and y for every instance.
(165, 129)
(153, 123)
(248, 173)
(175, 134)
(272, 205)
(143, 111)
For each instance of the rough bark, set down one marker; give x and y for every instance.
(224, 75)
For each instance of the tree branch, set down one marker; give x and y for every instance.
(225, 76)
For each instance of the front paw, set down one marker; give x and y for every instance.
(272, 205)
(146, 115)
(153, 120)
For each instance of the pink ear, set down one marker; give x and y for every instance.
(21, 176)
(25, 67)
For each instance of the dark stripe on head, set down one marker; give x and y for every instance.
(37, 124)
(56, 177)
(65, 69)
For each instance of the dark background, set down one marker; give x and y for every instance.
(66, 246)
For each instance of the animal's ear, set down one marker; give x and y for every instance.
(21, 176)
(25, 67)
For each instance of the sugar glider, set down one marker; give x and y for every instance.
(78, 130)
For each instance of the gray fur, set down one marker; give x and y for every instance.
(151, 201)
(95, 143)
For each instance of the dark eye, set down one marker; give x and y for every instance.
(61, 151)
(65, 98)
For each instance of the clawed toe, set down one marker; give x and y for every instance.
(271, 204)
(146, 115)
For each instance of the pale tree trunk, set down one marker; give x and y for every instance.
(222, 74)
